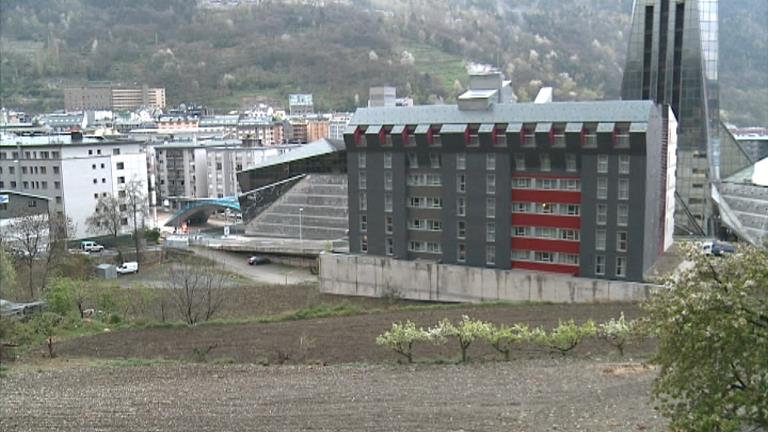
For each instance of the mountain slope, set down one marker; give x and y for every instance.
(269, 49)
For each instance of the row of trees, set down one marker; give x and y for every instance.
(402, 337)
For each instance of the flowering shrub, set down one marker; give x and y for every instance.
(566, 336)
(401, 337)
(617, 332)
(466, 332)
(504, 338)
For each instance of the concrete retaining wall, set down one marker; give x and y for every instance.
(373, 276)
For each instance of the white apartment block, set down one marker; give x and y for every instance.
(188, 171)
(74, 174)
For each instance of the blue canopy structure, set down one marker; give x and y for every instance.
(202, 207)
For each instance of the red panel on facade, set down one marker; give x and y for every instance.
(543, 245)
(550, 221)
(544, 267)
(545, 175)
(550, 196)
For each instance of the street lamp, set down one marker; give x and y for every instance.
(301, 240)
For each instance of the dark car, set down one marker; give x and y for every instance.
(258, 259)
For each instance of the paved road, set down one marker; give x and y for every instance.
(275, 274)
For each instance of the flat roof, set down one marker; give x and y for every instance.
(7, 140)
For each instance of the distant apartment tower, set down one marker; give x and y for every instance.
(306, 131)
(301, 104)
(105, 96)
(72, 173)
(673, 59)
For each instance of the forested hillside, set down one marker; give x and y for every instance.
(337, 51)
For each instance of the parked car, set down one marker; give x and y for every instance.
(90, 246)
(128, 267)
(20, 310)
(257, 259)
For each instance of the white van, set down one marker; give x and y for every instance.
(90, 246)
(128, 267)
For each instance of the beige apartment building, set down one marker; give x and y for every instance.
(105, 96)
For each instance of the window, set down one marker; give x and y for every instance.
(602, 214)
(501, 138)
(362, 180)
(568, 234)
(461, 252)
(56, 155)
(490, 207)
(623, 189)
(621, 241)
(390, 242)
(95, 181)
(102, 166)
(55, 170)
(120, 180)
(600, 240)
(519, 162)
(44, 185)
(545, 208)
(387, 160)
(461, 161)
(545, 162)
(621, 139)
(56, 185)
(387, 139)
(546, 184)
(568, 259)
(361, 160)
(461, 183)
(621, 266)
(98, 151)
(490, 183)
(570, 209)
(622, 215)
(90, 152)
(24, 169)
(43, 170)
(474, 139)
(364, 243)
(31, 203)
(599, 264)
(520, 231)
(520, 255)
(571, 185)
(120, 165)
(413, 160)
(124, 221)
(363, 200)
(363, 223)
(521, 183)
(546, 232)
(103, 180)
(11, 170)
(547, 257)
(13, 184)
(602, 164)
(461, 206)
(436, 140)
(58, 200)
(588, 138)
(490, 232)
(388, 180)
(602, 188)
(116, 151)
(388, 202)
(623, 164)
(490, 161)
(2, 185)
(520, 207)
(570, 162)
(529, 138)
(388, 224)
(558, 138)
(434, 160)
(490, 255)
(461, 229)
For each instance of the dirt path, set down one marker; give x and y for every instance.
(553, 395)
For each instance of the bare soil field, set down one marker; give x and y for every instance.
(335, 340)
(531, 396)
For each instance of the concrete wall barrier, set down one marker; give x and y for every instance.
(373, 276)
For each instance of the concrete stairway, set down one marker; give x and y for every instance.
(323, 198)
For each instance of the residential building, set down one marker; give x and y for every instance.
(72, 171)
(309, 130)
(579, 188)
(337, 125)
(262, 131)
(301, 104)
(105, 96)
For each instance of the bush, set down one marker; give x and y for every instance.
(466, 332)
(617, 333)
(401, 337)
(61, 298)
(566, 336)
(152, 235)
(504, 338)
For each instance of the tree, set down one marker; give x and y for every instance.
(28, 232)
(466, 332)
(711, 327)
(136, 205)
(7, 272)
(566, 336)
(45, 325)
(617, 333)
(504, 338)
(401, 337)
(197, 290)
(107, 216)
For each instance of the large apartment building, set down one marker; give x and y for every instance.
(105, 96)
(73, 172)
(579, 188)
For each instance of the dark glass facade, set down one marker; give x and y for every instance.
(673, 60)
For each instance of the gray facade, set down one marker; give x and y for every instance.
(673, 60)
(444, 184)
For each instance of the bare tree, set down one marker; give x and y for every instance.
(197, 290)
(38, 238)
(107, 217)
(136, 206)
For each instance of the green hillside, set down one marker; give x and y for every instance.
(265, 51)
